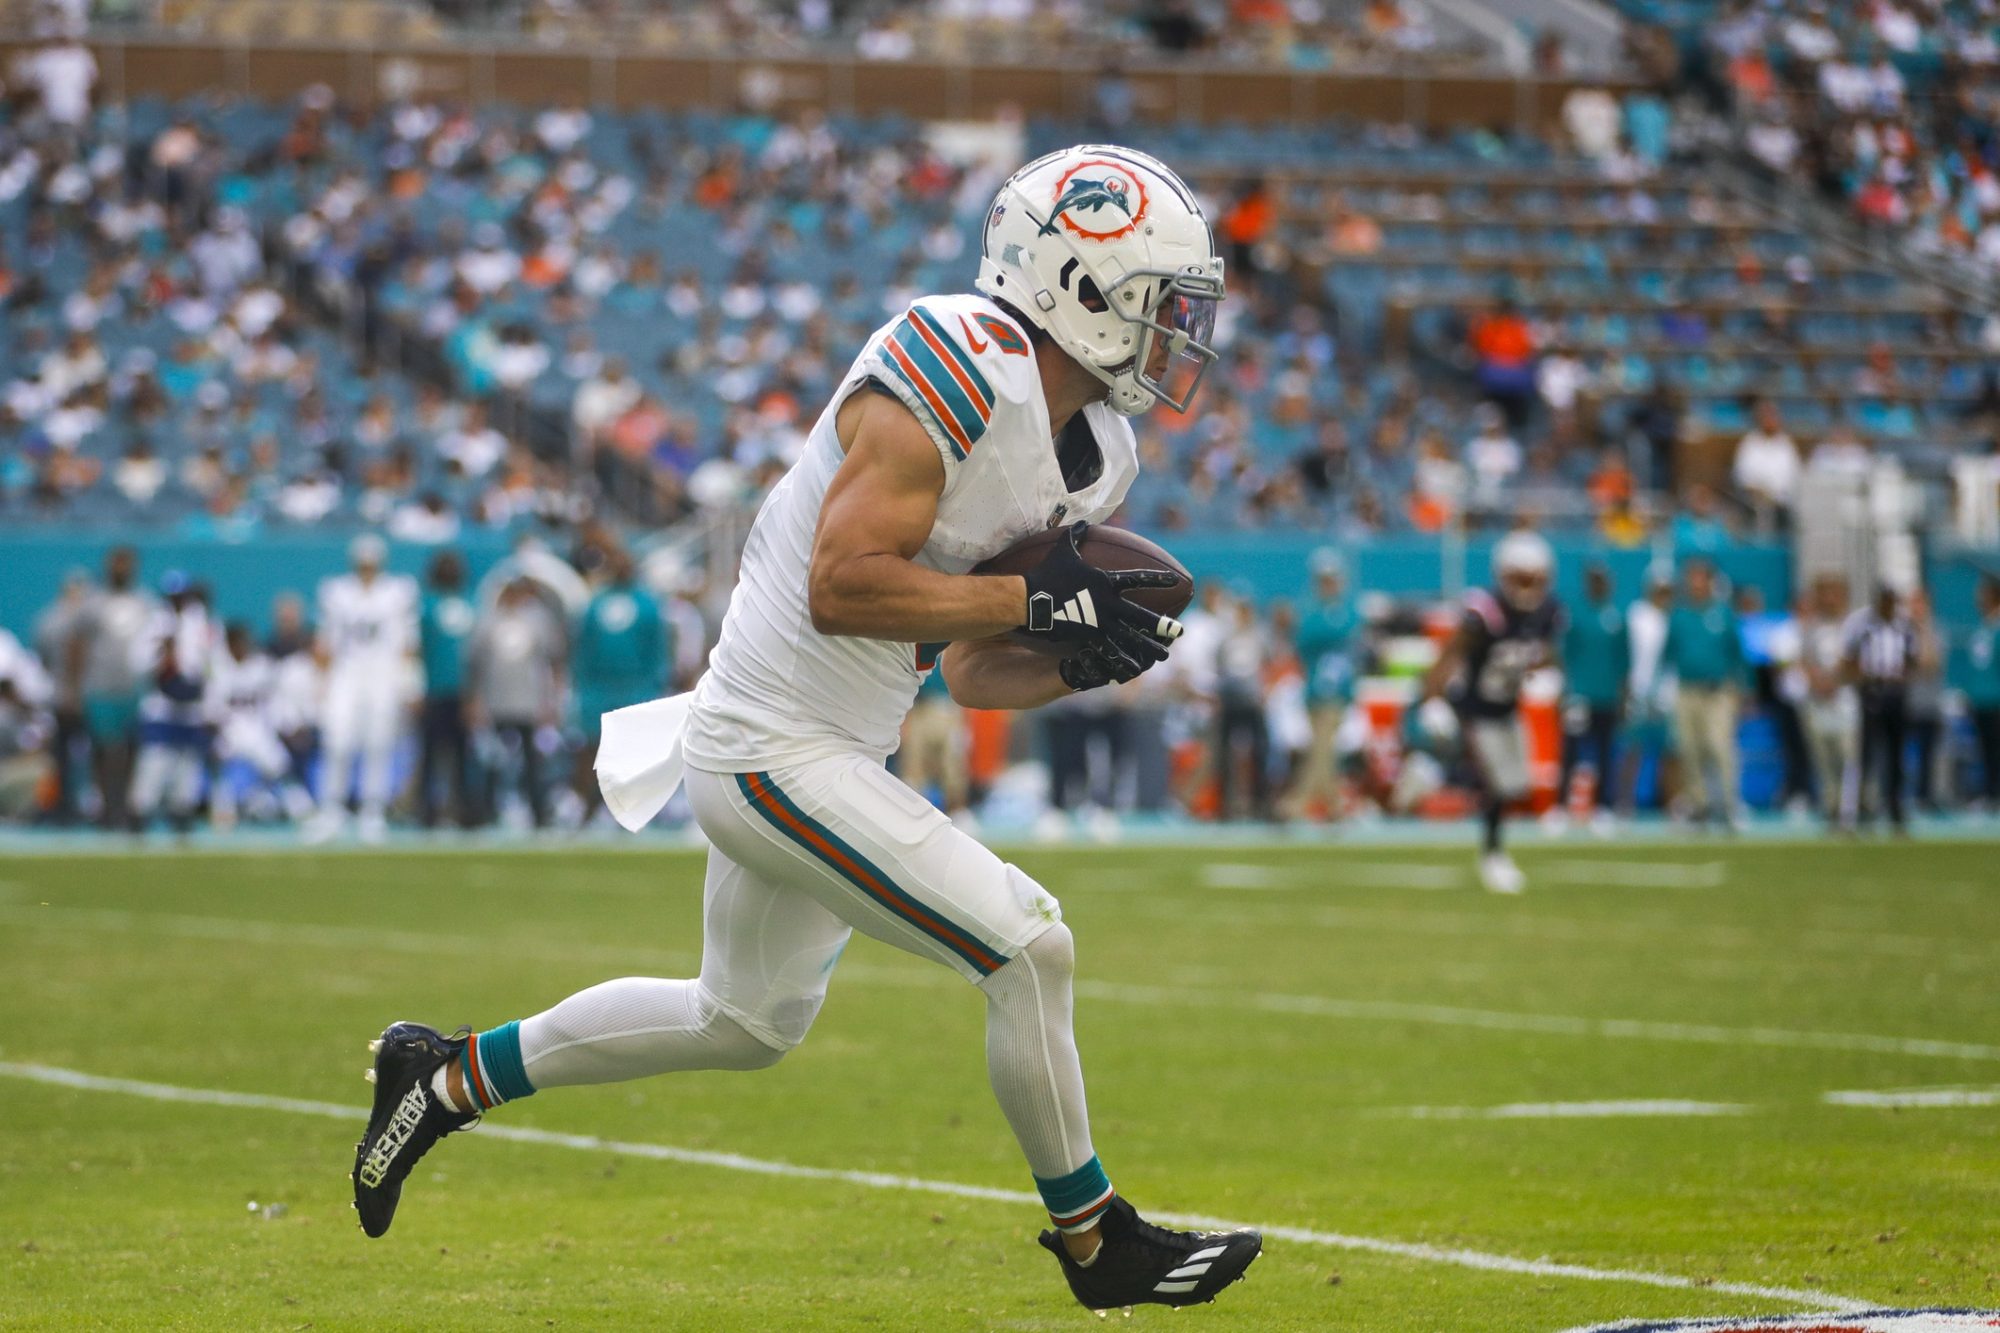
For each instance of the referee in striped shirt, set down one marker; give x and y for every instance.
(1881, 657)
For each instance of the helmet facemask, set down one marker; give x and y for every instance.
(1174, 314)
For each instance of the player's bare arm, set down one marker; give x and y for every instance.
(877, 515)
(999, 673)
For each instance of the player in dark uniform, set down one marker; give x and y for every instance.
(1504, 634)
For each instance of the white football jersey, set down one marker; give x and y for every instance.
(297, 693)
(241, 689)
(370, 626)
(778, 691)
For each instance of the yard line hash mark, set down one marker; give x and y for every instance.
(1915, 1099)
(1637, 874)
(1462, 1258)
(1658, 1106)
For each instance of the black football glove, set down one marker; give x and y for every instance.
(1123, 654)
(1070, 601)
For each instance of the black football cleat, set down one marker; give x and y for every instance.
(407, 1118)
(1141, 1264)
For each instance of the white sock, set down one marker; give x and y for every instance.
(1031, 1054)
(635, 1027)
(441, 1089)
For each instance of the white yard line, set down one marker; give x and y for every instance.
(1572, 1110)
(1397, 875)
(1462, 1258)
(1235, 875)
(1916, 1098)
(1635, 874)
(234, 929)
(1339, 874)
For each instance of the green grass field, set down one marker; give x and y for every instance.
(1257, 1027)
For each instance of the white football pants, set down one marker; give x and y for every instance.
(362, 715)
(799, 859)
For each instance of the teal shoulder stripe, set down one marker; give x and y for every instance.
(922, 406)
(963, 410)
(946, 932)
(959, 354)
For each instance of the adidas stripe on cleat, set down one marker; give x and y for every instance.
(1141, 1264)
(407, 1118)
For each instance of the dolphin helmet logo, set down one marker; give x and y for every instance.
(1097, 200)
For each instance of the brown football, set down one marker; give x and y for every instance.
(1104, 548)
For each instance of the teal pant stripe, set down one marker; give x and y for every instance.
(1076, 1191)
(884, 890)
(500, 1057)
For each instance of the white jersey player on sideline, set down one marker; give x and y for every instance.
(367, 633)
(175, 655)
(967, 424)
(241, 690)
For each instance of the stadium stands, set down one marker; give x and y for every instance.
(671, 295)
(1346, 34)
(1888, 108)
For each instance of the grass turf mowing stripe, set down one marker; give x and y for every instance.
(1311, 1006)
(1478, 1259)
(1500, 1020)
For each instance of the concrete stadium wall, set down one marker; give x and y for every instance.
(483, 71)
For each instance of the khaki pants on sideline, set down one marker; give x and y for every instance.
(1315, 780)
(933, 751)
(1833, 739)
(1705, 730)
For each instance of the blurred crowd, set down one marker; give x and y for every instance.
(232, 317)
(452, 703)
(1286, 33)
(1890, 106)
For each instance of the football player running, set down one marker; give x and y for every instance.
(967, 423)
(1503, 634)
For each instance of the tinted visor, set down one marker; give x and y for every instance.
(1176, 349)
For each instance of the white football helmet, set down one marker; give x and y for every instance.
(1107, 251)
(1523, 566)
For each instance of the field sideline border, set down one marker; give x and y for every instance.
(1812, 1299)
(1442, 836)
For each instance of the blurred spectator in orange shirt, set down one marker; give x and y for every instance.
(1246, 222)
(1504, 346)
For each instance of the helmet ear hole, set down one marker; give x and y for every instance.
(1089, 297)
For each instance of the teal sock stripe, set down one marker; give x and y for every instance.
(500, 1060)
(1076, 1195)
